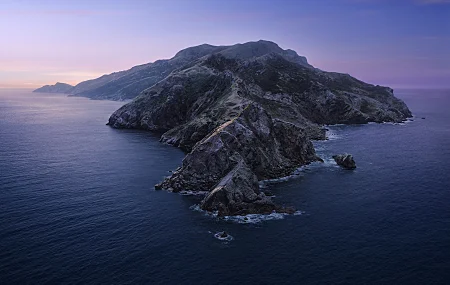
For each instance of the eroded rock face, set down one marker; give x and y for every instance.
(238, 193)
(345, 161)
(248, 113)
(270, 148)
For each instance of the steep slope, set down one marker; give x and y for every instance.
(250, 107)
(129, 83)
(57, 88)
(86, 86)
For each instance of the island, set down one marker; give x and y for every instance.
(246, 113)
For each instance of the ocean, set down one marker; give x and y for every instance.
(78, 205)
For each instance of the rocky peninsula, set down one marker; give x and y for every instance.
(248, 112)
(56, 88)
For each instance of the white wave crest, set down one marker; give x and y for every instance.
(329, 162)
(220, 236)
(192, 193)
(331, 135)
(298, 172)
(247, 219)
(259, 218)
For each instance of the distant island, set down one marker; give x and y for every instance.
(57, 88)
(243, 113)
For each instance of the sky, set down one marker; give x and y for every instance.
(397, 43)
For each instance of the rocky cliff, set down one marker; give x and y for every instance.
(248, 112)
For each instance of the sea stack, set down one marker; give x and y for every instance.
(346, 161)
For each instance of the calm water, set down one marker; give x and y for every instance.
(77, 205)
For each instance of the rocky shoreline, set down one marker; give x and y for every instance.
(247, 113)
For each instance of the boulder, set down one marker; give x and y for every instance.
(345, 161)
(223, 236)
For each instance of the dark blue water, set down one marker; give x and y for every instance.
(77, 205)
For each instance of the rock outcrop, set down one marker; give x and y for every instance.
(271, 148)
(246, 113)
(345, 161)
(237, 193)
(223, 236)
(57, 88)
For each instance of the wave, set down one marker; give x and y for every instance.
(328, 162)
(331, 135)
(407, 121)
(334, 125)
(259, 218)
(298, 172)
(246, 219)
(193, 193)
(223, 236)
(197, 208)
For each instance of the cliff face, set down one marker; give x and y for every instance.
(271, 148)
(250, 108)
(57, 88)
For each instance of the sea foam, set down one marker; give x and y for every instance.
(218, 236)
(246, 219)
(193, 193)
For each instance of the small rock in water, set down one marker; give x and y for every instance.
(423, 118)
(345, 161)
(268, 193)
(223, 236)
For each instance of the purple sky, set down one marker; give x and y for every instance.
(399, 43)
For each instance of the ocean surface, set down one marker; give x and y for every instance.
(78, 206)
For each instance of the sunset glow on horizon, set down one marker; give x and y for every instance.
(402, 43)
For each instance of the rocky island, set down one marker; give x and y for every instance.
(248, 112)
(346, 161)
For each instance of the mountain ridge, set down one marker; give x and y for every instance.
(58, 87)
(127, 84)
